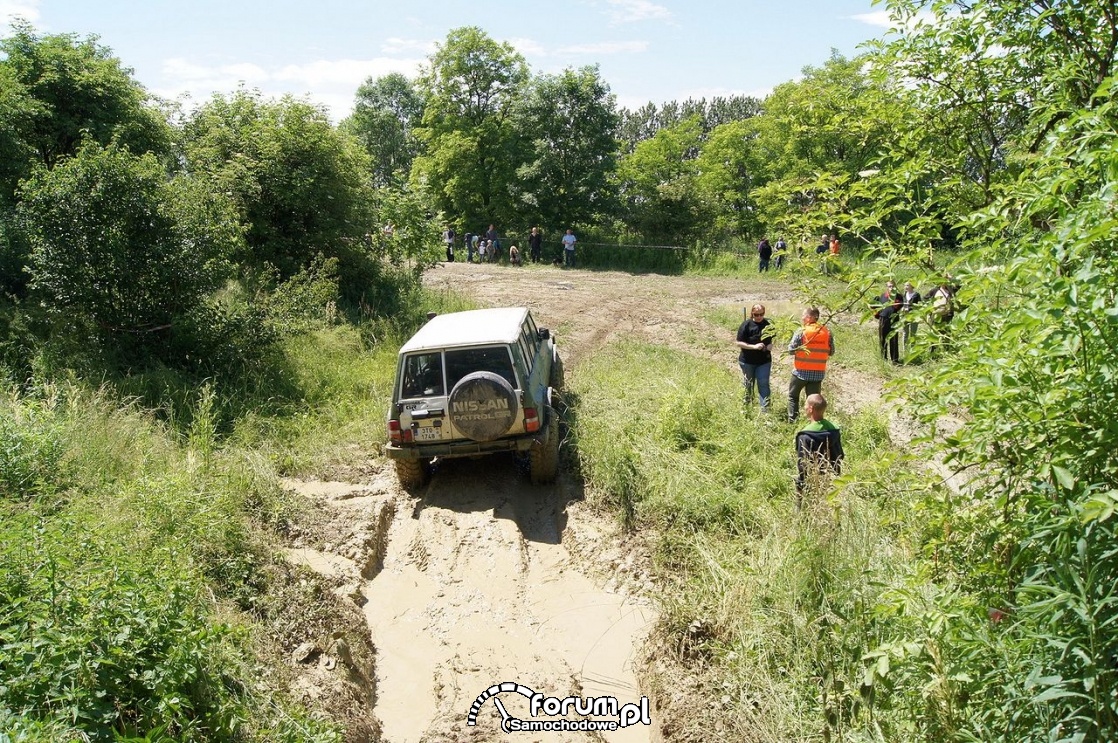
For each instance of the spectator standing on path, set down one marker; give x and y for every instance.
(909, 299)
(469, 240)
(887, 309)
(818, 445)
(494, 248)
(824, 251)
(449, 236)
(781, 251)
(765, 253)
(535, 242)
(755, 358)
(569, 241)
(811, 347)
(943, 311)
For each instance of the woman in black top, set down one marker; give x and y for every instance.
(755, 359)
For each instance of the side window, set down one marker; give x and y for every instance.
(495, 359)
(423, 376)
(530, 342)
(526, 354)
(523, 363)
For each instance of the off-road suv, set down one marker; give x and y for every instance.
(473, 383)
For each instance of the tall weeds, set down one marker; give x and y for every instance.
(778, 603)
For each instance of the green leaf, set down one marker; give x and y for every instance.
(1063, 477)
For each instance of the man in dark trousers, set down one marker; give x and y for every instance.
(811, 347)
(765, 253)
(909, 299)
(535, 241)
(818, 446)
(888, 314)
(494, 251)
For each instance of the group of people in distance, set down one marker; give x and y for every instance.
(487, 247)
(893, 309)
(828, 249)
(819, 444)
(767, 253)
(774, 255)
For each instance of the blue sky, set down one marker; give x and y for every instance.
(647, 50)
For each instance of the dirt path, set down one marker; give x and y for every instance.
(484, 578)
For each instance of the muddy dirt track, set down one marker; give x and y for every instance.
(482, 578)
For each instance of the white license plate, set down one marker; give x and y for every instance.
(427, 433)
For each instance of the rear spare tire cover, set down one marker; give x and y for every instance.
(483, 406)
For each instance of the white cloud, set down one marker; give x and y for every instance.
(344, 73)
(530, 47)
(630, 11)
(878, 18)
(881, 19)
(407, 46)
(330, 83)
(189, 74)
(607, 47)
(28, 10)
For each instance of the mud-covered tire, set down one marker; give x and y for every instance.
(543, 457)
(483, 406)
(413, 474)
(556, 380)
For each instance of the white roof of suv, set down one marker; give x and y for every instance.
(469, 328)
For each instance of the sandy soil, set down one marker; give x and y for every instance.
(484, 578)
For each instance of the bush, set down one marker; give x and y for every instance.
(31, 450)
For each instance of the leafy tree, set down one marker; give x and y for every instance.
(385, 113)
(637, 126)
(1035, 538)
(300, 185)
(657, 184)
(115, 242)
(569, 121)
(16, 114)
(980, 72)
(57, 91)
(1015, 635)
(816, 137)
(728, 170)
(472, 84)
(64, 90)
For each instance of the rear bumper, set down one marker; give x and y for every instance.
(450, 450)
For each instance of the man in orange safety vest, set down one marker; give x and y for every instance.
(811, 347)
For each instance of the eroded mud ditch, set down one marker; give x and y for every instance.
(483, 579)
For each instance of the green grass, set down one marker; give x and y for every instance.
(776, 602)
(140, 598)
(113, 574)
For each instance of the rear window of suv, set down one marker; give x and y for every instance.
(423, 376)
(495, 359)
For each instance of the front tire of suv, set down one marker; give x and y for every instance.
(543, 458)
(413, 474)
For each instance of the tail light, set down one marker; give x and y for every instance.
(396, 435)
(531, 420)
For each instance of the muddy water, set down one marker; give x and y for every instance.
(477, 588)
